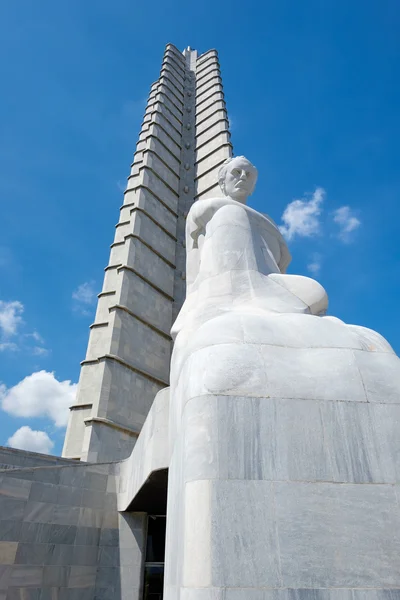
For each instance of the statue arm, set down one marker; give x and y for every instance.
(199, 215)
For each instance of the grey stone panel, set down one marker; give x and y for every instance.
(26, 576)
(213, 79)
(289, 594)
(215, 129)
(159, 117)
(168, 109)
(76, 424)
(172, 63)
(203, 71)
(163, 152)
(13, 508)
(82, 577)
(144, 200)
(88, 536)
(174, 60)
(150, 180)
(214, 117)
(207, 112)
(118, 253)
(220, 140)
(35, 532)
(103, 306)
(254, 439)
(150, 266)
(142, 299)
(380, 375)
(172, 79)
(151, 351)
(148, 231)
(38, 512)
(14, 488)
(207, 93)
(127, 395)
(71, 496)
(106, 443)
(173, 51)
(362, 439)
(8, 551)
(156, 130)
(324, 541)
(42, 492)
(99, 343)
(205, 58)
(23, 458)
(153, 162)
(173, 87)
(284, 439)
(244, 535)
(10, 531)
(209, 100)
(175, 75)
(110, 280)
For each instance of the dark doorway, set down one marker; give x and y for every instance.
(155, 553)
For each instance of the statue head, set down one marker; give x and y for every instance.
(237, 178)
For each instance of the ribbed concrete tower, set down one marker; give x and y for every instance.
(183, 141)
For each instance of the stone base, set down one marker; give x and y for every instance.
(277, 498)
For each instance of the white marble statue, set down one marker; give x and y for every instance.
(238, 291)
(276, 412)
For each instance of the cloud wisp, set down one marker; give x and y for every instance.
(12, 336)
(26, 438)
(10, 317)
(315, 264)
(39, 395)
(347, 222)
(301, 217)
(84, 298)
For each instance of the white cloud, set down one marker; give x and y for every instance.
(39, 395)
(26, 438)
(40, 351)
(10, 317)
(347, 222)
(84, 297)
(10, 346)
(315, 265)
(36, 336)
(301, 217)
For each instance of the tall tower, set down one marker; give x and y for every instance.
(182, 143)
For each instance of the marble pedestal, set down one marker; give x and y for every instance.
(283, 482)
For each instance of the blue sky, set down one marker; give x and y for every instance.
(313, 94)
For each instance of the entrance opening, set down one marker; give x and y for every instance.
(155, 556)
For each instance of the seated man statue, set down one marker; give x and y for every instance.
(239, 297)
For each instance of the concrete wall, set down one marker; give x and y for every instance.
(61, 537)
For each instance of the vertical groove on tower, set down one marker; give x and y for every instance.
(128, 355)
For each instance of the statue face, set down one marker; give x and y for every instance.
(240, 179)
